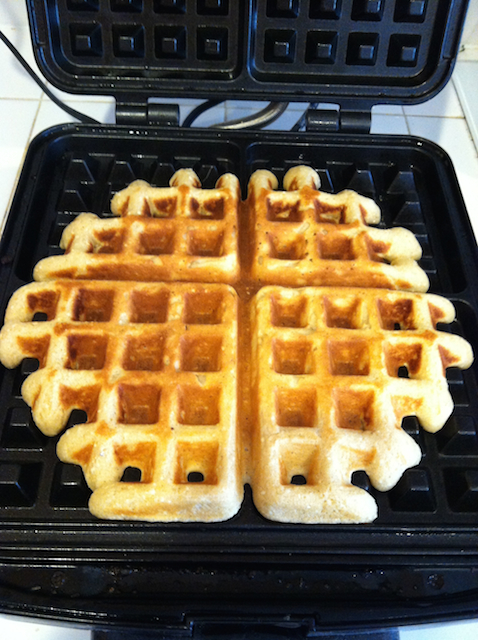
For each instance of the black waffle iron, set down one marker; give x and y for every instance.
(418, 562)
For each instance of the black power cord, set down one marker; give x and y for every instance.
(72, 112)
(200, 109)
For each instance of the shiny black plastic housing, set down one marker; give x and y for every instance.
(350, 52)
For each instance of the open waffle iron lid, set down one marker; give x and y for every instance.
(351, 52)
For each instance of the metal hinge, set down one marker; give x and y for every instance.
(338, 120)
(144, 113)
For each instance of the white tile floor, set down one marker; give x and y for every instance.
(450, 119)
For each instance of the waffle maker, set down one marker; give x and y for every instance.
(418, 561)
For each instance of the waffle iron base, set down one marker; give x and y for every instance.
(416, 563)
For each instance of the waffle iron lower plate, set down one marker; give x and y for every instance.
(416, 563)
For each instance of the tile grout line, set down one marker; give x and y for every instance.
(407, 124)
(35, 118)
(22, 98)
(437, 117)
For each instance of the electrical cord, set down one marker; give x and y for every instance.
(256, 121)
(200, 109)
(72, 112)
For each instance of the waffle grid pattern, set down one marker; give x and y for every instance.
(296, 40)
(173, 34)
(154, 369)
(337, 373)
(179, 233)
(312, 39)
(301, 236)
(306, 237)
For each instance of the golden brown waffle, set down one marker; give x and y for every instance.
(161, 234)
(335, 372)
(303, 236)
(154, 366)
(180, 381)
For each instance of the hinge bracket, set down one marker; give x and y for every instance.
(144, 113)
(338, 121)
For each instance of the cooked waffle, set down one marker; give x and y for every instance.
(303, 236)
(154, 368)
(335, 372)
(325, 374)
(160, 234)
